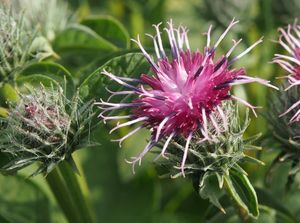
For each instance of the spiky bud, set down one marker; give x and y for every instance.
(284, 127)
(44, 127)
(51, 16)
(18, 45)
(285, 11)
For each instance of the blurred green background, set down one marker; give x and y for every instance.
(117, 194)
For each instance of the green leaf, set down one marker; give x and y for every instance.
(3, 220)
(128, 65)
(242, 192)
(8, 94)
(80, 37)
(109, 29)
(22, 201)
(3, 112)
(269, 200)
(210, 190)
(221, 217)
(47, 73)
(41, 48)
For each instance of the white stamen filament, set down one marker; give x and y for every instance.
(223, 117)
(235, 44)
(127, 135)
(295, 117)
(160, 45)
(285, 65)
(292, 37)
(246, 103)
(288, 58)
(287, 38)
(208, 37)
(155, 46)
(285, 46)
(290, 109)
(232, 23)
(118, 80)
(215, 124)
(148, 57)
(159, 128)
(247, 79)
(166, 145)
(292, 85)
(128, 123)
(246, 51)
(186, 149)
(141, 155)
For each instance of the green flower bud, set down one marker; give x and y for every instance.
(44, 127)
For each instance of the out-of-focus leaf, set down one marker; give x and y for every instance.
(210, 190)
(80, 37)
(3, 112)
(3, 220)
(22, 201)
(242, 192)
(41, 48)
(109, 29)
(8, 94)
(128, 65)
(86, 70)
(114, 200)
(47, 73)
(221, 217)
(270, 201)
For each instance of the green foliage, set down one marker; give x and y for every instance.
(110, 29)
(24, 199)
(53, 44)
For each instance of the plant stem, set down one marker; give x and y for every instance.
(76, 191)
(62, 195)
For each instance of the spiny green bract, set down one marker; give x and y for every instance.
(18, 45)
(44, 127)
(51, 16)
(282, 131)
(218, 159)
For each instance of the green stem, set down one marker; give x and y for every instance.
(77, 195)
(62, 195)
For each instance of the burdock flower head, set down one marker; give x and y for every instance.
(185, 92)
(44, 127)
(290, 41)
(285, 104)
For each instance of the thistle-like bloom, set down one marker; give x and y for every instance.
(290, 41)
(184, 93)
(44, 127)
(284, 132)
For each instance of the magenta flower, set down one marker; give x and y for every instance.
(290, 41)
(183, 93)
